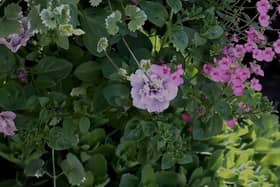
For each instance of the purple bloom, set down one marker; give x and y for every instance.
(22, 75)
(155, 93)
(7, 124)
(15, 41)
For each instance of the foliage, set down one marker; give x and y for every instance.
(76, 123)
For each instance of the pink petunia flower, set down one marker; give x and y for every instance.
(264, 20)
(255, 84)
(276, 46)
(255, 68)
(268, 54)
(263, 6)
(154, 89)
(7, 124)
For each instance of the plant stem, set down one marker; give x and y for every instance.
(53, 167)
(111, 61)
(135, 59)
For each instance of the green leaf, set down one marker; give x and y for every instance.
(34, 168)
(167, 162)
(179, 37)
(12, 12)
(60, 139)
(98, 165)
(62, 41)
(7, 60)
(92, 22)
(84, 125)
(156, 12)
(54, 68)
(186, 159)
(89, 71)
(8, 27)
(176, 5)
(128, 180)
(137, 16)
(73, 169)
(167, 179)
(116, 94)
(214, 32)
(272, 158)
(10, 23)
(94, 137)
(148, 177)
(111, 22)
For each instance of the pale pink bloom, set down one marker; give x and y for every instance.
(276, 46)
(250, 46)
(268, 54)
(224, 63)
(264, 20)
(225, 76)
(239, 51)
(255, 68)
(234, 38)
(155, 89)
(238, 90)
(254, 35)
(207, 68)
(231, 123)
(7, 124)
(215, 74)
(255, 84)
(243, 73)
(263, 6)
(258, 55)
(278, 9)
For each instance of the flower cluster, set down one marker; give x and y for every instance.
(15, 41)
(263, 7)
(7, 124)
(152, 90)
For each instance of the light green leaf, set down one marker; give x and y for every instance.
(111, 22)
(73, 169)
(148, 177)
(137, 16)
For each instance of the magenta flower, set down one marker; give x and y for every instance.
(15, 41)
(250, 46)
(264, 20)
(22, 75)
(7, 124)
(155, 92)
(255, 68)
(268, 54)
(276, 46)
(263, 6)
(231, 123)
(255, 85)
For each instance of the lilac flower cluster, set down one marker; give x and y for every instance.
(15, 41)
(154, 89)
(7, 124)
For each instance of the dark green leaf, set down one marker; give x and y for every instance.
(156, 12)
